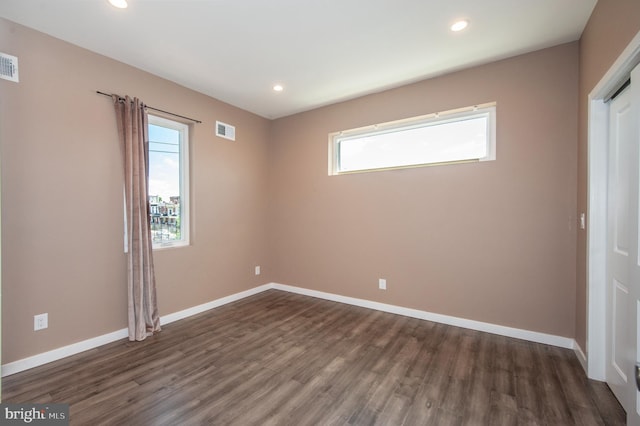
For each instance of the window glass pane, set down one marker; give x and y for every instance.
(163, 134)
(445, 141)
(164, 184)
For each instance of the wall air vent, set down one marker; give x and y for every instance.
(226, 131)
(8, 67)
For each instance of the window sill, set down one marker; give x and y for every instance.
(171, 245)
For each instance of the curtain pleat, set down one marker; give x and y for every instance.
(143, 315)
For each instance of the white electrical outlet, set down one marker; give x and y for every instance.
(257, 270)
(382, 284)
(40, 322)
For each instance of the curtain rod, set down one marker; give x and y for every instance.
(155, 109)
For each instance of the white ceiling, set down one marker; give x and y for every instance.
(322, 51)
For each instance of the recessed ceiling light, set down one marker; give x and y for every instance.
(120, 4)
(460, 25)
(278, 88)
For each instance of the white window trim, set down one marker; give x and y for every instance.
(488, 109)
(185, 211)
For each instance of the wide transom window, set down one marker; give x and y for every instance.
(461, 135)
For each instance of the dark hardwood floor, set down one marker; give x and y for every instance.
(283, 359)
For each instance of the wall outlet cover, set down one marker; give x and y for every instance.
(40, 322)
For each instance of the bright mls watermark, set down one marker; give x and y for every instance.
(34, 414)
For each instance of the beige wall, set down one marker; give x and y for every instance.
(492, 241)
(62, 245)
(611, 27)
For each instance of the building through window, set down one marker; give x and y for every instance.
(168, 182)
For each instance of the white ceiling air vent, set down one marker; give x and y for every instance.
(226, 131)
(8, 67)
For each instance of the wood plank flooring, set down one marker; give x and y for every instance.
(284, 359)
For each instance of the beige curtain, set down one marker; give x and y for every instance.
(144, 319)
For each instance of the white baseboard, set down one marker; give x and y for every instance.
(65, 351)
(533, 336)
(166, 319)
(581, 356)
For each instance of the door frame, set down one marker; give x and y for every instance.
(597, 163)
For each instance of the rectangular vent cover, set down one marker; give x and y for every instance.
(226, 131)
(8, 67)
